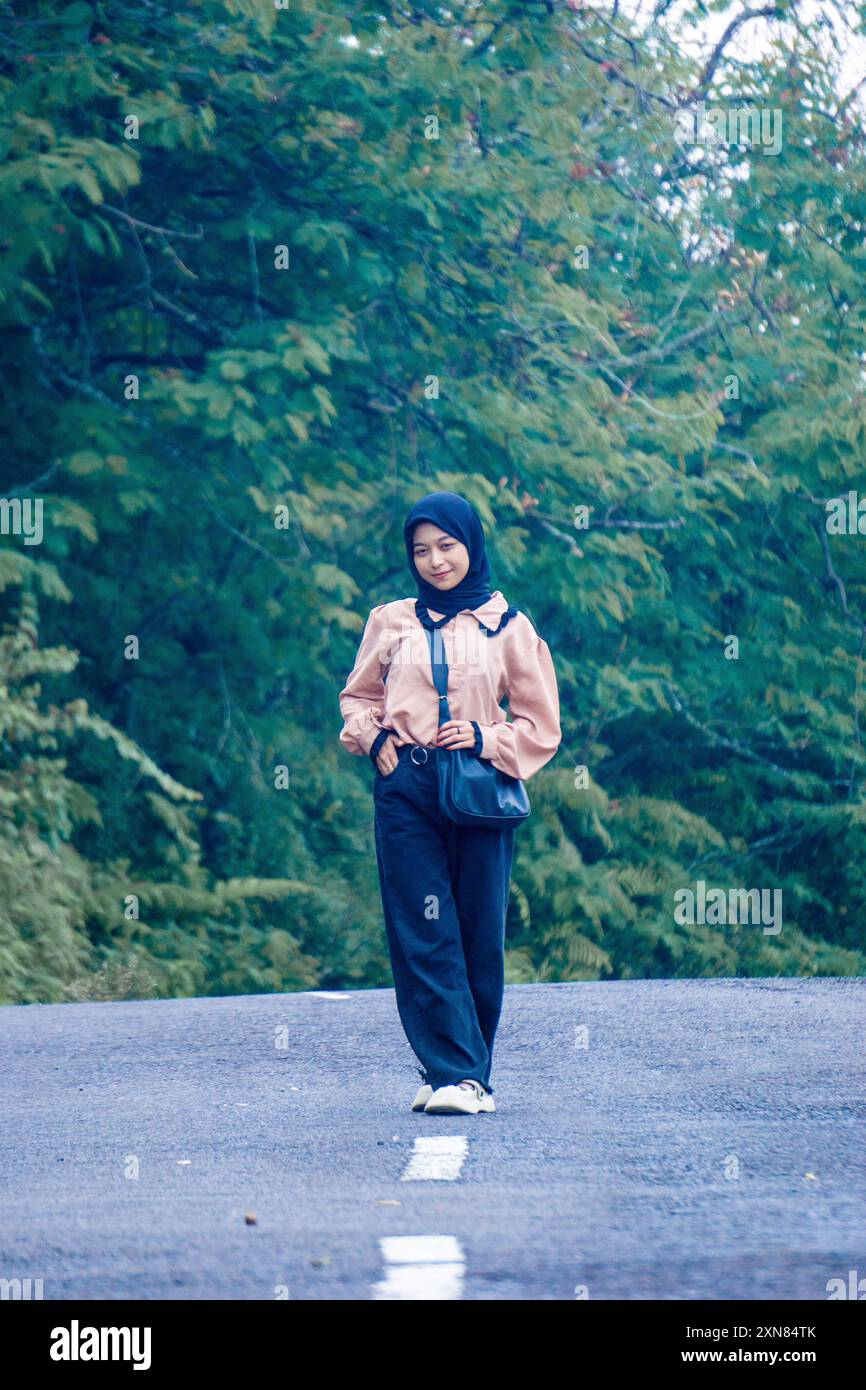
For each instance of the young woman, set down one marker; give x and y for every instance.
(445, 886)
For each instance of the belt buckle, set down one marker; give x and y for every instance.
(416, 748)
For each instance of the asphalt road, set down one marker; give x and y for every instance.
(690, 1139)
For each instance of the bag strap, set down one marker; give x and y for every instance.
(439, 667)
(436, 644)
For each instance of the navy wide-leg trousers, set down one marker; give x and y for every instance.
(444, 898)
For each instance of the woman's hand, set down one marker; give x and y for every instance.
(456, 733)
(386, 758)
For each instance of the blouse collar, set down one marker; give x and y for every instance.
(488, 614)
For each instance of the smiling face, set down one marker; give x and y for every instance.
(439, 558)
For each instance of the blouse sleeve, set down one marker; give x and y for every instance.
(362, 698)
(525, 742)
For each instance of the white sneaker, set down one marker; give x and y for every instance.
(466, 1098)
(422, 1097)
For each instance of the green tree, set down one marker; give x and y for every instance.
(270, 275)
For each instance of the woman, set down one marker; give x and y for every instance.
(445, 886)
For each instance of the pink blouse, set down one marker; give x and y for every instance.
(391, 685)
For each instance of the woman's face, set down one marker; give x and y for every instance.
(439, 558)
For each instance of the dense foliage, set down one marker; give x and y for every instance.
(271, 273)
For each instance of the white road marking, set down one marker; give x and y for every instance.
(437, 1159)
(421, 1267)
(324, 994)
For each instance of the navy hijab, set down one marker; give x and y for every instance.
(458, 518)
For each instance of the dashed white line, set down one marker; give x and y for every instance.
(421, 1267)
(437, 1159)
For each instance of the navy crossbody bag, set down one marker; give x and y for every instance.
(471, 790)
